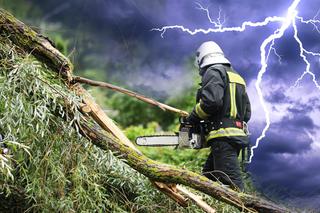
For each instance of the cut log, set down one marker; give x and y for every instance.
(197, 199)
(39, 46)
(171, 191)
(97, 113)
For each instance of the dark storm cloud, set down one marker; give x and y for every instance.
(280, 162)
(280, 143)
(124, 26)
(288, 178)
(284, 165)
(287, 136)
(300, 108)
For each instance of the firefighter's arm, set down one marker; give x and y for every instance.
(211, 96)
(247, 114)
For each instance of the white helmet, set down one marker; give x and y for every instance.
(210, 53)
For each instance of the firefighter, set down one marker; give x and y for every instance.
(223, 103)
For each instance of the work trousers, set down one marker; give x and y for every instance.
(222, 164)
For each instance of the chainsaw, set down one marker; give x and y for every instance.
(189, 136)
(192, 136)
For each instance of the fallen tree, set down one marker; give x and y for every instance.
(39, 46)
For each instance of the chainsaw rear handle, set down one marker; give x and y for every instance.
(185, 124)
(182, 120)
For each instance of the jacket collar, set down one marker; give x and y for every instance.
(203, 70)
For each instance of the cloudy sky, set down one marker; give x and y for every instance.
(286, 164)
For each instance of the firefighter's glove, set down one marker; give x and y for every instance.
(193, 118)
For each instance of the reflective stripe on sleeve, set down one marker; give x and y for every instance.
(225, 132)
(200, 112)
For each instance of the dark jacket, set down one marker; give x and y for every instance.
(222, 100)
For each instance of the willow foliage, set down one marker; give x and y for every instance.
(50, 167)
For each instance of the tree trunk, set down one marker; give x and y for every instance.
(170, 174)
(42, 49)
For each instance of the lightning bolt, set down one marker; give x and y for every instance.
(267, 46)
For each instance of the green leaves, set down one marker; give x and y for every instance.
(56, 169)
(59, 170)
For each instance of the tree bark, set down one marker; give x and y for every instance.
(42, 49)
(39, 46)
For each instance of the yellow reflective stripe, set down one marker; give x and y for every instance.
(236, 78)
(200, 112)
(233, 105)
(225, 132)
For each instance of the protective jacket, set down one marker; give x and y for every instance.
(223, 102)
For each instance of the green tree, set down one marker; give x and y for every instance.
(130, 111)
(22, 9)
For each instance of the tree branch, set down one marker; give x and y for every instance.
(138, 96)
